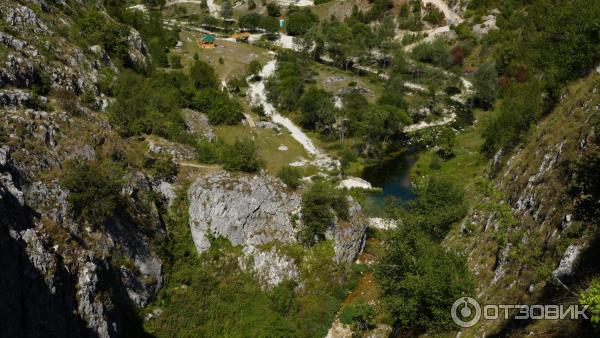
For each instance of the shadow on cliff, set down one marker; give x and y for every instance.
(555, 293)
(30, 308)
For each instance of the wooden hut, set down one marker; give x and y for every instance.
(207, 41)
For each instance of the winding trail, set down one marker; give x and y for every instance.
(257, 93)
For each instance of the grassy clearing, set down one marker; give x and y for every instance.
(268, 141)
(236, 56)
(346, 78)
(467, 164)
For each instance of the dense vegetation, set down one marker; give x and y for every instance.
(538, 48)
(322, 205)
(419, 278)
(94, 190)
(208, 295)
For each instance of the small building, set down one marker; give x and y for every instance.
(207, 41)
(282, 23)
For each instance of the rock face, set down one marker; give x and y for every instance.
(256, 210)
(247, 210)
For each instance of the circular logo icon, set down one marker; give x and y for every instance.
(466, 312)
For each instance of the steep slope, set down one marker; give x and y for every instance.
(523, 240)
(63, 277)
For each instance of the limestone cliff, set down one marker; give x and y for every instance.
(254, 211)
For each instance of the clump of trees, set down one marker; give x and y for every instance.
(152, 104)
(287, 86)
(522, 106)
(419, 278)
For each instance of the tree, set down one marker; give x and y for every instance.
(242, 155)
(377, 124)
(218, 106)
(300, 21)
(273, 9)
(317, 108)
(439, 203)
(94, 190)
(203, 75)
(321, 203)
(420, 280)
(251, 5)
(269, 24)
(250, 21)
(485, 84)
(340, 44)
(226, 9)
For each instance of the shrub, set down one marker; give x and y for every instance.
(254, 68)
(360, 315)
(208, 152)
(485, 84)
(94, 190)
(242, 155)
(434, 17)
(591, 298)
(436, 53)
(283, 297)
(321, 203)
(290, 176)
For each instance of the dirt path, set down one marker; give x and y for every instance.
(257, 94)
(197, 166)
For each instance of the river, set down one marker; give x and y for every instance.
(392, 176)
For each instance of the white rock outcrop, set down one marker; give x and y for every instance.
(254, 211)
